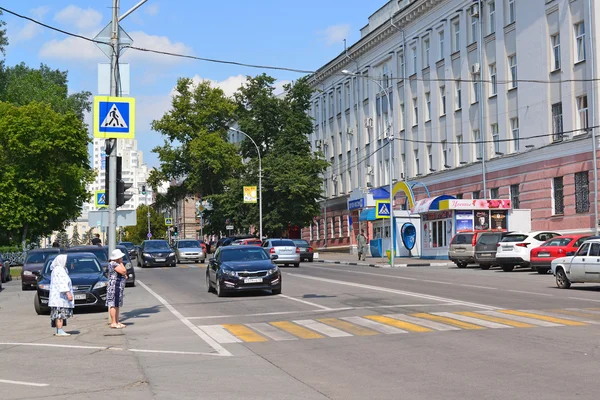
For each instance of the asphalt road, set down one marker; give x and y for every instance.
(336, 332)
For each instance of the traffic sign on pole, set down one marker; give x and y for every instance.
(382, 209)
(114, 117)
(149, 235)
(100, 198)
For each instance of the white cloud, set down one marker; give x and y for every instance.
(72, 49)
(30, 29)
(335, 34)
(151, 9)
(154, 42)
(233, 83)
(40, 12)
(83, 20)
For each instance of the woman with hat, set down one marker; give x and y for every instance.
(117, 277)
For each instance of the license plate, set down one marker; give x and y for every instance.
(507, 248)
(80, 297)
(160, 259)
(486, 255)
(253, 280)
(543, 254)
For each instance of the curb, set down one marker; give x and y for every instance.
(385, 265)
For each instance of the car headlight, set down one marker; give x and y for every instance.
(147, 255)
(171, 254)
(27, 273)
(128, 266)
(44, 286)
(100, 285)
(229, 272)
(273, 270)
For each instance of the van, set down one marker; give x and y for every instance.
(462, 248)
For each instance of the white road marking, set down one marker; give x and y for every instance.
(105, 348)
(565, 316)
(24, 383)
(201, 334)
(471, 320)
(219, 333)
(525, 292)
(400, 292)
(518, 318)
(271, 331)
(584, 310)
(305, 302)
(424, 322)
(581, 298)
(322, 328)
(376, 326)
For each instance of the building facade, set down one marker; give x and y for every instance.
(483, 99)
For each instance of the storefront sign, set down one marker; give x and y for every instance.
(431, 216)
(475, 204)
(464, 220)
(356, 204)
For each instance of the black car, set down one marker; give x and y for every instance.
(4, 271)
(156, 253)
(239, 268)
(87, 277)
(131, 249)
(128, 265)
(485, 249)
(34, 262)
(100, 252)
(306, 252)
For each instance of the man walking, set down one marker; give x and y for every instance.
(361, 239)
(96, 240)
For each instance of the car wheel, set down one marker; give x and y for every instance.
(286, 265)
(178, 261)
(485, 266)
(132, 284)
(209, 287)
(508, 268)
(310, 259)
(297, 265)
(219, 289)
(173, 265)
(561, 279)
(202, 261)
(39, 308)
(3, 276)
(461, 265)
(276, 290)
(24, 286)
(542, 270)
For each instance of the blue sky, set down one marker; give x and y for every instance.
(302, 35)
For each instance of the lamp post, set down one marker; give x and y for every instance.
(259, 181)
(390, 167)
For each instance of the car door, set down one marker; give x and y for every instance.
(592, 264)
(577, 269)
(214, 266)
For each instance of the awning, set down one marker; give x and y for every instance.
(430, 204)
(380, 193)
(367, 214)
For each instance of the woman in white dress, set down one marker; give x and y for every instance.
(61, 295)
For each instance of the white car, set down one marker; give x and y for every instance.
(513, 250)
(583, 267)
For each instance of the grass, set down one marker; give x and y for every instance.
(15, 272)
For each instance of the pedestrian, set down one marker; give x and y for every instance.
(117, 278)
(96, 240)
(56, 244)
(362, 240)
(61, 295)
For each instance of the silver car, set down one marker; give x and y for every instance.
(189, 250)
(286, 250)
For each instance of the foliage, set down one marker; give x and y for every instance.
(44, 168)
(87, 237)
(63, 239)
(3, 37)
(137, 233)
(75, 238)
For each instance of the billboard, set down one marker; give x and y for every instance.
(250, 194)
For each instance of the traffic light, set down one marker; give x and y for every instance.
(175, 233)
(122, 197)
(106, 180)
(144, 190)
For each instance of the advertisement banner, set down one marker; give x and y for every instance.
(499, 220)
(250, 194)
(464, 220)
(482, 220)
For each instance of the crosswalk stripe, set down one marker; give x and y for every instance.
(568, 315)
(219, 333)
(560, 321)
(531, 321)
(397, 323)
(424, 322)
(348, 327)
(447, 321)
(184, 266)
(499, 320)
(245, 333)
(322, 328)
(587, 310)
(376, 326)
(297, 330)
(471, 320)
(271, 331)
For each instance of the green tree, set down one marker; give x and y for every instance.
(87, 237)
(75, 238)
(63, 239)
(44, 168)
(137, 233)
(3, 37)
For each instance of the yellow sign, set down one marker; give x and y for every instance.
(99, 198)
(250, 194)
(169, 221)
(382, 209)
(114, 117)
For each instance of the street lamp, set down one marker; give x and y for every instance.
(259, 180)
(391, 169)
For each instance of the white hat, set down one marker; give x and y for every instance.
(116, 254)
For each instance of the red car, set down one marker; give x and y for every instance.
(251, 242)
(558, 246)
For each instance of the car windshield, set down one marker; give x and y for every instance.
(514, 238)
(158, 245)
(99, 252)
(244, 254)
(77, 264)
(128, 245)
(279, 243)
(462, 238)
(557, 242)
(38, 257)
(188, 244)
(300, 242)
(488, 239)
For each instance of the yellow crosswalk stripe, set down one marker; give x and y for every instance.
(407, 326)
(184, 266)
(576, 313)
(446, 320)
(490, 318)
(244, 333)
(544, 318)
(348, 327)
(296, 330)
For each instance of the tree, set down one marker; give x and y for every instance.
(3, 37)
(44, 168)
(137, 233)
(63, 239)
(87, 237)
(75, 239)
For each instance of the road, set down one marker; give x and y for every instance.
(336, 332)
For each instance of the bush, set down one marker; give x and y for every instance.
(10, 249)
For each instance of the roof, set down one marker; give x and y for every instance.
(430, 204)
(380, 193)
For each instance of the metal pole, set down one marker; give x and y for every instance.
(148, 219)
(594, 119)
(325, 214)
(481, 110)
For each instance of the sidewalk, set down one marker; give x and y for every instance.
(378, 262)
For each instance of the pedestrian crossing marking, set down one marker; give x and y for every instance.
(471, 320)
(322, 328)
(544, 318)
(297, 330)
(348, 327)
(406, 326)
(376, 326)
(244, 333)
(446, 320)
(271, 331)
(433, 325)
(499, 320)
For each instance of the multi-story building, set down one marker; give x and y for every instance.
(491, 94)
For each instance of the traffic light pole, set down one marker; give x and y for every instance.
(112, 158)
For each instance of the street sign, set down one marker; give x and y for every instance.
(99, 223)
(100, 198)
(114, 117)
(382, 209)
(149, 235)
(229, 227)
(169, 221)
(104, 37)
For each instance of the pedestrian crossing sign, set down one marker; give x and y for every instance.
(382, 209)
(100, 198)
(114, 117)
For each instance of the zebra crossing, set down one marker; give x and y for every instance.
(390, 324)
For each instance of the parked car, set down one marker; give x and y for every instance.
(131, 249)
(582, 267)
(100, 252)
(87, 277)
(286, 250)
(4, 270)
(514, 249)
(462, 248)
(34, 262)
(189, 250)
(248, 242)
(485, 249)
(306, 252)
(227, 241)
(239, 268)
(128, 265)
(560, 246)
(156, 253)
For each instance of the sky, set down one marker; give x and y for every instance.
(303, 35)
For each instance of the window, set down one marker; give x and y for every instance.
(558, 199)
(331, 105)
(557, 122)
(582, 113)
(512, 64)
(494, 193)
(429, 156)
(491, 17)
(514, 196)
(426, 47)
(339, 99)
(476, 194)
(414, 54)
(475, 95)
(582, 192)
(427, 106)
(348, 95)
(442, 100)
(445, 153)
(459, 140)
(457, 94)
(579, 42)
(385, 76)
(474, 30)
(401, 116)
(415, 112)
(555, 52)
(496, 138)
(456, 32)
(459, 196)
(493, 79)
(332, 228)
(417, 164)
(514, 129)
(477, 145)
(402, 65)
(441, 36)
(512, 12)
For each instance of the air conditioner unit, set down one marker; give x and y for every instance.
(368, 122)
(475, 10)
(369, 170)
(318, 143)
(475, 68)
(349, 131)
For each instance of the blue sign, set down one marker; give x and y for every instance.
(356, 204)
(114, 117)
(149, 235)
(382, 209)
(408, 232)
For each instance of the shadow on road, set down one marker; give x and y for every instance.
(140, 313)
